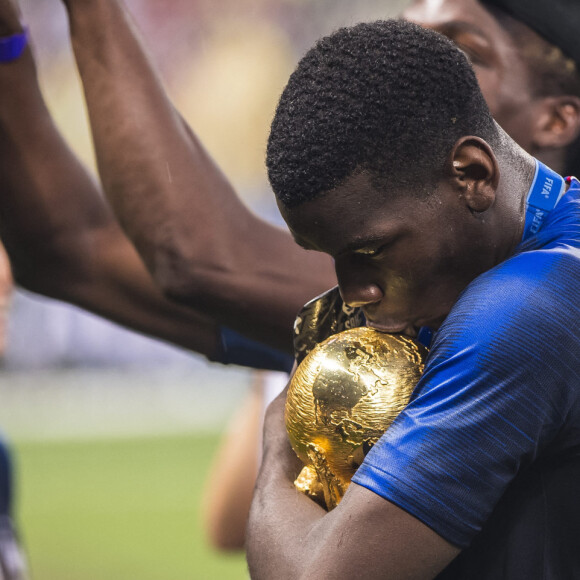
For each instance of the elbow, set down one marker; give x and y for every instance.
(184, 281)
(29, 278)
(197, 272)
(47, 263)
(225, 514)
(177, 286)
(49, 273)
(228, 539)
(39, 281)
(182, 288)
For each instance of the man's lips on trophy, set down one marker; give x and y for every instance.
(406, 328)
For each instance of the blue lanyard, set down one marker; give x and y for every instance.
(546, 191)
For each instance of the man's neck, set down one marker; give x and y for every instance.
(517, 171)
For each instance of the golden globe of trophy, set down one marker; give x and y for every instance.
(342, 398)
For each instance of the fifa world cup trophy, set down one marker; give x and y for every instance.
(342, 398)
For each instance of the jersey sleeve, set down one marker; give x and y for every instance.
(498, 384)
(240, 350)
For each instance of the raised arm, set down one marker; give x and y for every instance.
(202, 245)
(291, 537)
(60, 235)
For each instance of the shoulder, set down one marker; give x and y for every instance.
(517, 325)
(532, 290)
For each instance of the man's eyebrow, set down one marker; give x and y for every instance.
(454, 27)
(457, 26)
(370, 241)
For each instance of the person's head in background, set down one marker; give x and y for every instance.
(526, 56)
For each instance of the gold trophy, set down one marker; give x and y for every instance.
(342, 398)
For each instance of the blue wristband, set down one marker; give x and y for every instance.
(11, 47)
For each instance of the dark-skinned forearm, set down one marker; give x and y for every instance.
(61, 237)
(199, 241)
(33, 219)
(280, 538)
(291, 537)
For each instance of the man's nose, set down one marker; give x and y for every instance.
(357, 284)
(361, 296)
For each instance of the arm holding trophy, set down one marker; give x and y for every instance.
(343, 395)
(291, 536)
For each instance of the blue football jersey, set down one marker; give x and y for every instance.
(487, 453)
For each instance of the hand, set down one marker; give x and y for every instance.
(278, 453)
(10, 18)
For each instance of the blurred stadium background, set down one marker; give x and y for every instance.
(113, 433)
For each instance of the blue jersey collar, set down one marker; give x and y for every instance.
(546, 191)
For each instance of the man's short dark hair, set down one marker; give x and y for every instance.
(388, 98)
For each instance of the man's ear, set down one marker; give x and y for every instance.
(557, 122)
(474, 170)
